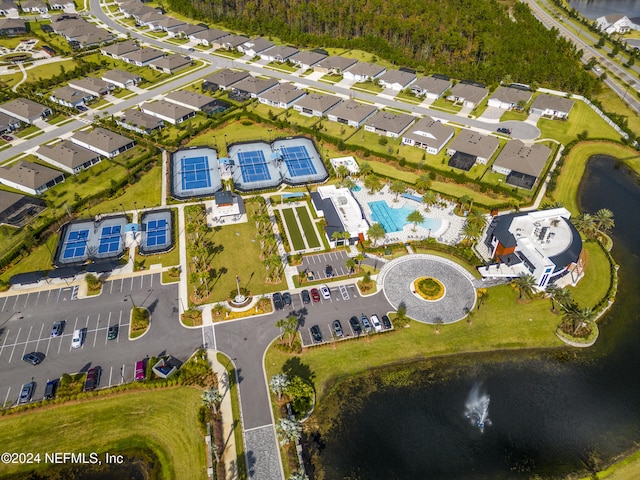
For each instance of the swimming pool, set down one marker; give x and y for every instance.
(394, 219)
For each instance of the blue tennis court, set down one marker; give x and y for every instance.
(110, 239)
(253, 166)
(195, 173)
(76, 244)
(156, 232)
(298, 161)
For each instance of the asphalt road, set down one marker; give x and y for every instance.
(26, 320)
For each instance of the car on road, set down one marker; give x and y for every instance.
(78, 338)
(316, 334)
(286, 298)
(50, 389)
(337, 329)
(375, 321)
(365, 323)
(328, 271)
(386, 323)
(305, 296)
(277, 301)
(112, 332)
(93, 379)
(355, 325)
(57, 329)
(504, 130)
(34, 358)
(315, 295)
(7, 138)
(27, 392)
(326, 293)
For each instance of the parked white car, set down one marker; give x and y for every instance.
(326, 293)
(375, 321)
(78, 338)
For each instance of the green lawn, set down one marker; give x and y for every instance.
(591, 289)
(307, 226)
(513, 115)
(368, 86)
(292, 227)
(337, 130)
(40, 258)
(165, 422)
(581, 118)
(612, 103)
(502, 323)
(330, 78)
(442, 104)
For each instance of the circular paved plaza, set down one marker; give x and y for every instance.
(396, 279)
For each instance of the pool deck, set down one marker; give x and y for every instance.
(450, 231)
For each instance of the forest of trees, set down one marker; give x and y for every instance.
(481, 40)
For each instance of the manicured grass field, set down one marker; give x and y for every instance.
(307, 226)
(292, 227)
(513, 115)
(612, 103)
(164, 421)
(592, 288)
(40, 258)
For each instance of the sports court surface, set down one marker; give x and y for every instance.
(253, 166)
(156, 228)
(87, 239)
(195, 173)
(76, 244)
(298, 161)
(110, 239)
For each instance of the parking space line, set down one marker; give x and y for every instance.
(6, 299)
(111, 287)
(74, 329)
(108, 325)
(48, 295)
(48, 346)
(121, 284)
(7, 397)
(26, 300)
(110, 373)
(39, 337)
(16, 302)
(14, 344)
(131, 287)
(38, 298)
(142, 282)
(95, 337)
(119, 322)
(5, 341)
(151, 281)
(27, 342)
(122, 370)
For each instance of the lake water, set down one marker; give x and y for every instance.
(597, 8)
(553, 412)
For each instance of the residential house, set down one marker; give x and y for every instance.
(521, 164)
(170, 25)
(507, 98)
(542, 243)
(68, 157)
(389, 124)
(615, 23)
(189, 99)
(229, 42)
(11, 27)
(8, 8)
(120, 49)
(29, 177)
(469, 148)
(95, 86)
(189, 29)
(121, 78)
(102, 141)
(432, 87)
(208, 37)
(334, 65)
(279, 54)
(307, 58)
(8, 123)
(397, 80)
(255, 46)
(90, 36)
(223, 79)
(167, 111)
(283, 95)
(25, 110)
(428, 134)
(316, 104)
(34, 6)
(364, 71)
(149, 19)
(137, 121)
(171, 64)
(70, 97)
(341, 213)
(467, 93)
(143, 56)
(16, 209)
(551, 106)
(66, 5)
(352, 113)
(254, 86)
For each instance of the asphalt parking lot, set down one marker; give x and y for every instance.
(317, 264)
(26, 320)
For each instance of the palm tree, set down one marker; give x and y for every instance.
(372, 183)
(288, 431)
(376, 232)
(365, 169)
(336, 236)
(477, 218)
(289, 327)
(470, 232)
(415, 217)
(212, 398)
(483, 296)
(348, 183)
(525, 284)
(429, 198)
(423, 182)
(558, 296)
(603, 220)
(278, 384)
(350, 263)
(342, 171)
(397, 187)
(465, 201)
(586, 224)
(359, 258)
(578, 319)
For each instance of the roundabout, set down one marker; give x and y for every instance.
(450, 293)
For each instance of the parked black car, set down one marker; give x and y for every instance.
(328, 271)
(112, 333)
(306, 298)
(93, 379)
(50, 389)
(277, 301)
(355, 325)
(27, 392)
(386, 323)
(504, 130)
(34, 358)
(316, 334)
(286, 297)
(57, 328)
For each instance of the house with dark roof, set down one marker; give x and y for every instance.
(90, 37)
(8, 8)
(189, 99)
(207, 37)
(542, 243)
(507, 98)
(30, 177)
(62, 5)
(16, 209)
(230, 41)
(137, 121)
(431, 87)
(341, 213)
(143, 56)
(397, 80)
(147, 18)
(103, 141)
(428, 134)
(70, 97)
(469, 94)
(121, 78)
(170, 64)
(170, 25)
(224, 79)
(389, 124)
(8, 123)
(25, 110)
(167, 111)
(283, 95)
(280, 53)
(316, 104)
(95, 86)
(551, 106)
(255, 46)
(68, 157)
(254, 86)
(364, 71)
(119, 49)
(521, 164)
(34, 6)
(11, 27)
(307, 58)
(352, 113)
(334, 65)
(474, 146)
(189, 29)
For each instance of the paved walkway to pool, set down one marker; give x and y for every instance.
(396, 279)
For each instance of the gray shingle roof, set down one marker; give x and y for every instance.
(552, 102)
(473, 143)
(470, 93)
(391, 122)
(352, 110)
(23, 107)
(430, 132)
(398, 76)
(167, 109)
(366, 69)
(283, 93)
(102, 139)
(307, 57)
(517, 157)
(28, 174)
(337, 63)
(227, 77)
(511, 95)
(255, 85)
(433, 85)
(190, 98)
(66, 153)
(318, 102)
